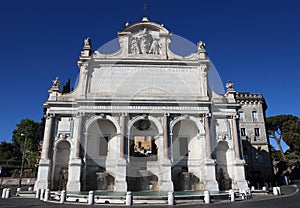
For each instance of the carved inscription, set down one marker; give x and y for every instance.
(137, 80)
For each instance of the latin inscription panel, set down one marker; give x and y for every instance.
(143, 81)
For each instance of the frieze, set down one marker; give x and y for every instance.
(145, 108)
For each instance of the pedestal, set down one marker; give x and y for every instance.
(210, 182)
(43, 176)
(74, 175)
(117, 169)
(239, 175)
(162, 169)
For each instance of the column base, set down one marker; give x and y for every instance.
(162, 169)
(43, 176)
(210, 182)
(117, 169)
(74, 183)
(166, 186)
(211, 185)
(120, 186)
(239, 181)
(242, 184)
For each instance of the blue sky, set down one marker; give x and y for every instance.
(254, 43)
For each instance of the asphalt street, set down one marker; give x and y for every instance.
(290, 198)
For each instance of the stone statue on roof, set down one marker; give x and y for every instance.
(201, 46)
(56, 82)
(87, 42)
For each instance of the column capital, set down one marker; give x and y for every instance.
(124, 114)
(208, 115)
(166, 114)
(79, 114)
(234, 116)
(49, 115)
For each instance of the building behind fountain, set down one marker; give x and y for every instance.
(144, 118)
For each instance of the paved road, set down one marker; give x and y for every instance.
(289, 199)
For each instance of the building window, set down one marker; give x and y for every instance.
(254, 116)
(241, 115)
(243, 132)
(256, 132)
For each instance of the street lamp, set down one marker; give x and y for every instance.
(23, 158)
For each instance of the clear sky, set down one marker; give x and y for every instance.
(254, 43)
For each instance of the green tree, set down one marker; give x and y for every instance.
(7, 151)
(28, 133)
(67, 87)
(276, 155)
(291, 134)
(283, 127)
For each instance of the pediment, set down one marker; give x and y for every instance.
(144, 40)
(147, 41)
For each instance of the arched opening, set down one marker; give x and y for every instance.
(143, 142)
(62, 156)
(222, 155)
(143, 148)
(100, 145)
(184, 148)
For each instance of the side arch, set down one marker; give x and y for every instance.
(107, 117)
(196, 121)
(62, 152)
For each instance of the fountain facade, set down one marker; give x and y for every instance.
(142, 118)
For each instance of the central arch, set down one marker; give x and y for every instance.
(144, 133)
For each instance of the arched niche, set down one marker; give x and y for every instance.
(61, 164)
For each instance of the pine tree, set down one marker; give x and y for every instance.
(67, 87)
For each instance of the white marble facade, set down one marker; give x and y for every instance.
(142, 118)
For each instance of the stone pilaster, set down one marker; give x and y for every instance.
(75, 162)
(79, 135)
(164, 171)
(235, 138)
(119, 166)
(166, 132)
(210, 182)
(47, 137)
(84, 78)
(207, 135)
(239, 181)
(43, 176)
(123, 119)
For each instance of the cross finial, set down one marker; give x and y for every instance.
(145, 10)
